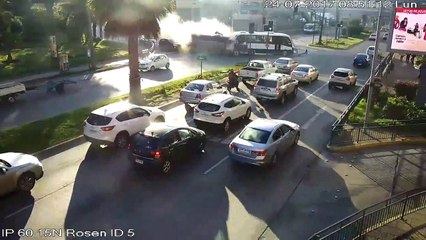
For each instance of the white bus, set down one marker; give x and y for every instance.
(311, 28)
(258, 42)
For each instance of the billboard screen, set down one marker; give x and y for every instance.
(409, 30)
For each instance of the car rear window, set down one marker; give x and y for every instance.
(371, 48)
(255, 135)
(209, 107)
(267, 83)
(361, 56)
(195, 86)
(142, 141)
(283, 61)
(340, 74)
(98, 120)
(302, 69)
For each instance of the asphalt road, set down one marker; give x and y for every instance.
(91, 88)
(207, 197)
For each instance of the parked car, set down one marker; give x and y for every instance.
(275, 86)
(285, 65)
(197, 90)
(221, 109)
(154, 61)
(372, 37)
(342, 77)
(264, 141)
(361, 60)
(18, 171)
(161, 145)
(255, 69)
(10, 91)
(305, 73)
(114, 123)
(370, 51)
(385, 36)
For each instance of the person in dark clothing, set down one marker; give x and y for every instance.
(232, 81)
(407, 59)
(403, 24)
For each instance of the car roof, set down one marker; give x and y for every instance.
(113, 109)
(159, 129)
(284, 58)
(305, 65)
(343, 70)
(259, 61)
(365, 54)
(267, 124)
(217, 98)
(201, 81)
(370, 46)
(273, 76)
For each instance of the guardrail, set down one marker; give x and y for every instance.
(359, 224)
(379, 70)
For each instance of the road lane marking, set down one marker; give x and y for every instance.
(313, 118)
(301, 102)
(17, 212)
(216, 165)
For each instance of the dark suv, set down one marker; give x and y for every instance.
(161, 145)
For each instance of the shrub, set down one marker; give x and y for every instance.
(406, 89)
(399, 108)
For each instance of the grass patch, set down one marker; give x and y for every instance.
(37, 60)
(42, 134)
(341, 43)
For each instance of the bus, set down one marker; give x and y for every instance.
(258, 42)
(311, 28)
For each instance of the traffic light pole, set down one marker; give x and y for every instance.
(267, 45)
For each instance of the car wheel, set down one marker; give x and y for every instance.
(296, 139)
(316, 78)
(167, 65)
(152, 69)
(159, 119)
(26, 182)
(11, 99)
(121, 140)
(226, 125)
(188, 108)
(282, 99)
(166, 167)
(248, 114)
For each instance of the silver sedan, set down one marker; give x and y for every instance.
(305, 73)
(264, 141)
(18, 171)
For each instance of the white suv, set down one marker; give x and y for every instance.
(115, 123)
(221, 109)
(342, 77)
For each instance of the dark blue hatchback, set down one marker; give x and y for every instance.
(361, 60)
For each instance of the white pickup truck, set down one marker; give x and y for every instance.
(256, 69)
(9, 91)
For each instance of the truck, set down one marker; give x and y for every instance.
(10, 91)
(255, 69)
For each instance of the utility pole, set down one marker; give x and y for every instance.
(322, 26)
(90, 47)
(313, 33)
(372, 77)
(337, 21)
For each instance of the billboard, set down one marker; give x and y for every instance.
(408, 28)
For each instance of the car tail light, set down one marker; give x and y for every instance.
(348, 79)
(196, 110)
(156, 154)
(277, 89)
(238, 72)
(107, 129)
(198, 96)
(129, 146)
(260, 153)
(232, 146)
(257, 75)
(255, 85)
(219, 114)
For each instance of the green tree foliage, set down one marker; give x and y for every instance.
(355, 28)
(75, 15)
(399, 108)
(10, 29)
(37, 25)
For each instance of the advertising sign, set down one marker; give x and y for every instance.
(408, 33)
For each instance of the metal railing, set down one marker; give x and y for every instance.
(374, 217)
(380, 70)
(342, 135)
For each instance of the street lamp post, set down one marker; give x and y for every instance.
(372, 77)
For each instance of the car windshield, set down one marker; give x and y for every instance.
(282, 61)
(302, 69)
(267, 83)
(255, 135)
(256, 64)
(209, 107)
(340, 74)
(195, 87)
(98, 120)
(142, 141)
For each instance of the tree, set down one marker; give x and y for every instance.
(355, 28)
(10, 29)
(132, 18)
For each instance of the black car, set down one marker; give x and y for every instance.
(161, 146)
(361, 60)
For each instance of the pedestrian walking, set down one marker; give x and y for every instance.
(407, 59)
(232, 81)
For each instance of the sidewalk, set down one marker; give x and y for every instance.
(102, 66)
(401, 71)
(341, 184)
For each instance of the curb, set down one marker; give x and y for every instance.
(421, 141)
(60, 147)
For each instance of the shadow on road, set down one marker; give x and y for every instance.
(16, 209)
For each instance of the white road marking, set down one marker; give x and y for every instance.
(301, 102)
(313, 118)
(216, 165)
(17, 212)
